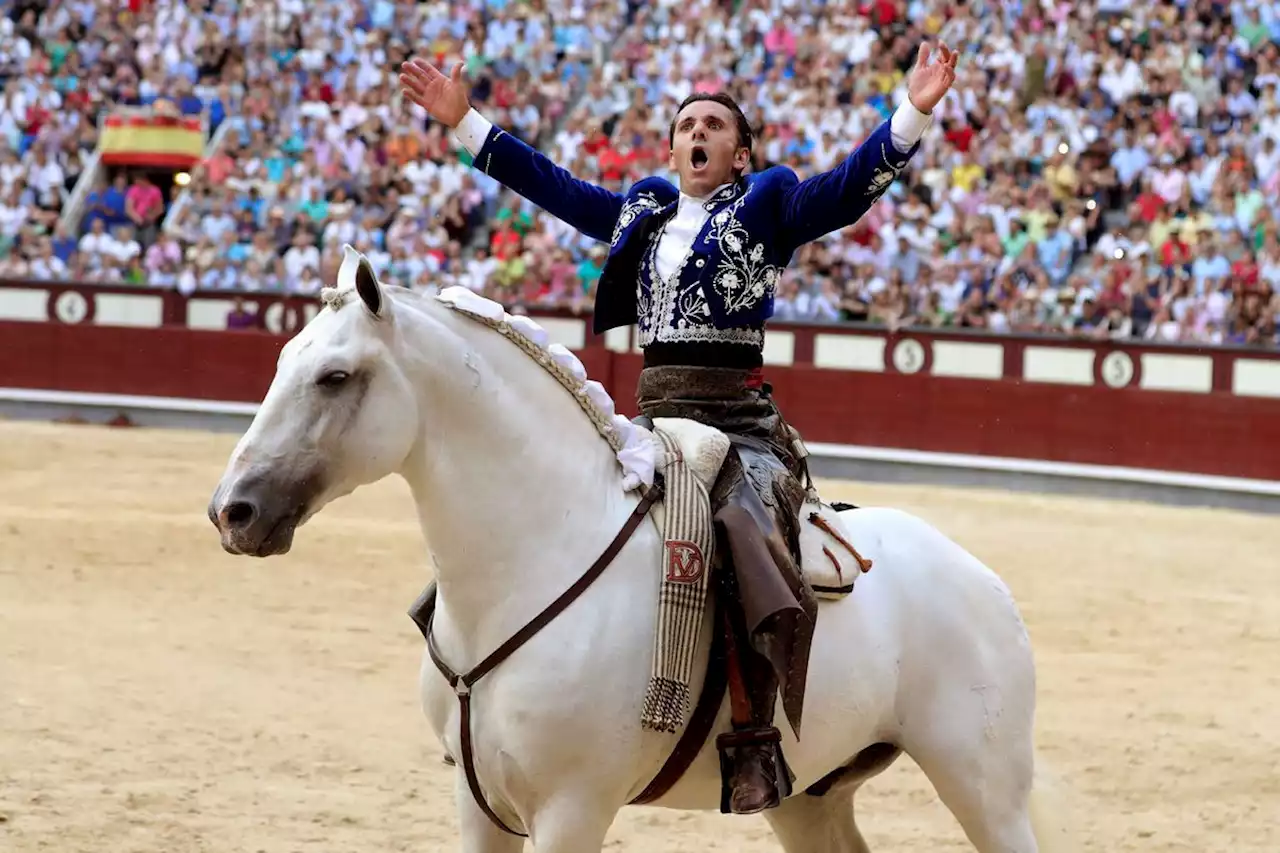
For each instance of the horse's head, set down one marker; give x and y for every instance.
(340, 413)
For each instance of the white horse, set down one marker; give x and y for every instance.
(518, 493)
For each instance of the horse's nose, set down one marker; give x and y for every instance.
(237, 515)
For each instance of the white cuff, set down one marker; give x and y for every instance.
(472, 131)
(908, 125)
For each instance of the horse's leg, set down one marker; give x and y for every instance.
(575, 823)
(478, 833)
(825, 824)
(982, 765)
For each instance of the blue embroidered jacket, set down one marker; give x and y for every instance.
(723, 291)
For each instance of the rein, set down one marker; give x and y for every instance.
(463, 682)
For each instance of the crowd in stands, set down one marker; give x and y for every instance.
(1106, 168)
(316, 147)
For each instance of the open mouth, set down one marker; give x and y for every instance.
(698, 157)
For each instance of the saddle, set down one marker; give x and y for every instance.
(777, 550)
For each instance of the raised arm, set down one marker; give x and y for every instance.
(591, 209)
(837, 198)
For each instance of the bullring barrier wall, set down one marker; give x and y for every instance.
(1201, 410)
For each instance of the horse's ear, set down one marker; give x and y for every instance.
(358, 272)
(368, 288)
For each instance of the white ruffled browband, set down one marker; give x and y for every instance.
(636, 451)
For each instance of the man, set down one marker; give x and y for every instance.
(696, 269)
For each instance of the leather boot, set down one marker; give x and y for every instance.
(754, 772)
(756, 775)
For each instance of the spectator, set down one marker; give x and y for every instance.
(302, 255)
(241, 317)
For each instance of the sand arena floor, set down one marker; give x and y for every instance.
(159, 695)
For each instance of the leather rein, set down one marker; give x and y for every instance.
(463, 682)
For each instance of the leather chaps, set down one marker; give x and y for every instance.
(756, 504)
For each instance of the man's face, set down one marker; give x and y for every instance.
(705, 152)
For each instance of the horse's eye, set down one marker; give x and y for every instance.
(333, 379)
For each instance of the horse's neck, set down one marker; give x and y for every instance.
(514, 489)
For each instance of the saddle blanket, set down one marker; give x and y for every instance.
(690, 457)
(688, 548)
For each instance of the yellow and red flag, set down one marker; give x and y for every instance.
(158, 141)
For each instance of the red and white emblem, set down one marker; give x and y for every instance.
(685, 563)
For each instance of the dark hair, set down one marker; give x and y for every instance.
(725, 100)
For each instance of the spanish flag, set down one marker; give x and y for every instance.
(158, 141)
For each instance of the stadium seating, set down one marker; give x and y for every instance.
(1102, 168)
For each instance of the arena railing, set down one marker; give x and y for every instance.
(965, 403)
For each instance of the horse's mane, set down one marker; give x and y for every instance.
(634, 448)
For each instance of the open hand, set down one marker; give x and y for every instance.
(929, 81)
(445, 98)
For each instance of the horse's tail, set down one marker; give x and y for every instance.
(1048, 807)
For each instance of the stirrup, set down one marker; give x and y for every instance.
(738, 746)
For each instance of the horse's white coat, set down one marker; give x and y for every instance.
(517, 495)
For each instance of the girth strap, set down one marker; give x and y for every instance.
(463, 682)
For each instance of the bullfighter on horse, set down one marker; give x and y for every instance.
(696, 269)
